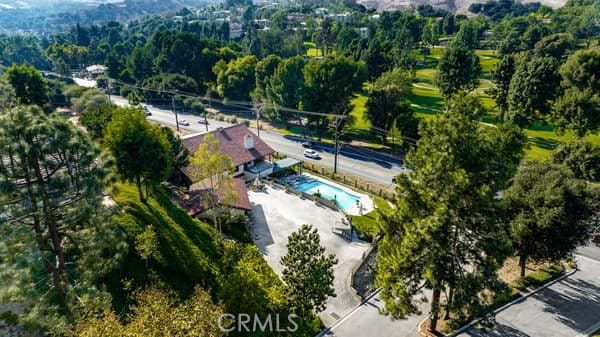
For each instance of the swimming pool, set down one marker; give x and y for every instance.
(344, 199)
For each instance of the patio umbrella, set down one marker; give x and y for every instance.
(256, 182)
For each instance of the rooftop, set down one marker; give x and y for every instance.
(232, 143)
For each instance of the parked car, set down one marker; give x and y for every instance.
(311, 154)
(203, 121)
(184, 122)
(308, 144)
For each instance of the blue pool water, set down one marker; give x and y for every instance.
(344, 199)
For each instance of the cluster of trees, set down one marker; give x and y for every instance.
(62, 242)
(58, 237)
(450, 233)
(543, 85)
(497, 10)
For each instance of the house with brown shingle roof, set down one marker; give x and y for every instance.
(250, 156)
(197, 202)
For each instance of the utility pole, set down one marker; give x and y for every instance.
(257, 108)
(174, 110)
(108, 89)
(393, 142)
(336, 148)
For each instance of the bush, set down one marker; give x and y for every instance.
(220, 117)
(233, 120)
(9, 318)
(246, 123)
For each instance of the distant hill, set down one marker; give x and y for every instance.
(44, 16)
(456, 6)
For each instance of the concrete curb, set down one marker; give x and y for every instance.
(511, 303)
(324, 331)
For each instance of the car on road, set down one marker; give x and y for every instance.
(184, 122)
(311, 154)
(146, 110)
(308, 144)
(203, 121)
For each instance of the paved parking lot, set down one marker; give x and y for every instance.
(367, 320)
(569, 308)
(277, 214)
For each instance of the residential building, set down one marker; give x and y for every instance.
(235, 31)
(295, 18)
(250, 154)
(251, 158)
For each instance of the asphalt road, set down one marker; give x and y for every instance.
(367, 320)
(366, 164)
(568, 308)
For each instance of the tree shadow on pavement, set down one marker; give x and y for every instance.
(498, 330)
(576, 305)
(260, 229)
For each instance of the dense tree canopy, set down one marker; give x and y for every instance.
(582, 157)
(387, 100)
(329, 85)
(444, 217)
(29, 85)
(57, 235)
(578, 108)
(532, 88)
(459, 69)
(155, 313)
(547, 209)
(141, 150)
(236, 80)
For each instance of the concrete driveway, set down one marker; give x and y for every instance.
(569, 308)
(277, 214)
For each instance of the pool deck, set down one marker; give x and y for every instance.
(277, 214)
(366, 201)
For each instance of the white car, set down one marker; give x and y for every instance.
(311, 154)
(184, 122)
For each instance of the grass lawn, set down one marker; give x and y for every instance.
(427, 101)
(358, 112)
(487, 59)
(313, 52)
(367, 224)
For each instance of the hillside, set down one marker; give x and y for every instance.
(55, 15)
(458, 6)
(188, 252)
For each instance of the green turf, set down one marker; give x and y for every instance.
(426, 101)
(368, 224)
(313, 52)
(487, 59)
(358, 112)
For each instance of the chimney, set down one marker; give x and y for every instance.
(249, 142)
